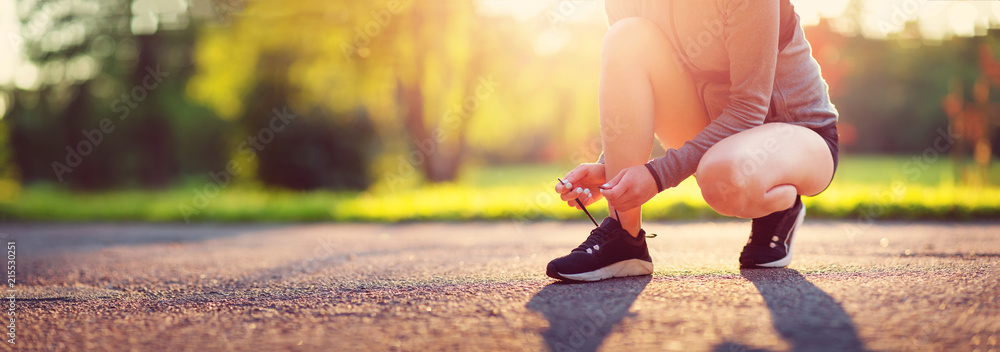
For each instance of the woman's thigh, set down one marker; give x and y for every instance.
(770, 155)
(638, 43)
(679, 111)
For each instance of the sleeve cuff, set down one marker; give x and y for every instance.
(659, 186)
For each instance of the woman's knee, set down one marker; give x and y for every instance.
(730, 183)
(724, 184)
(632, 39)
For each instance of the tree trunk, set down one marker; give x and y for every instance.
(437, 162)
(154, 135)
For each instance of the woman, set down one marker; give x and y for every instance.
(730, 88)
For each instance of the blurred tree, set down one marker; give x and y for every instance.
(9, 173)
(48, 116)
(418, 68)
(314, 150)
(436, 57)
(98, 113)
(972, 122)
(154, 135)
(889, 84)
(827, 46)
(276, 56)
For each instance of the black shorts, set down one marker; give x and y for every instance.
(829, 134)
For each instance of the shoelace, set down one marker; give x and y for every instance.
(598, 236)
(578, 202)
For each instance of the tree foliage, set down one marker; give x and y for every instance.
(446, 79)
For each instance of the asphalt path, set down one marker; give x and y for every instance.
(481, 286)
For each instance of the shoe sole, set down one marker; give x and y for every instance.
(783, 262)
(629, 267)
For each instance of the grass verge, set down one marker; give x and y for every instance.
(865, 189)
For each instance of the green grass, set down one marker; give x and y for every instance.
(865, 187)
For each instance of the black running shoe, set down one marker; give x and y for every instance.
(610, 251)
(770, 244)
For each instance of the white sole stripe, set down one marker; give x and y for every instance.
(628, 267)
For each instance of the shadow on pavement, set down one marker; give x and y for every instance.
(581, 315)
(805, 316)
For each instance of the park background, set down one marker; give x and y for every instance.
(385, 110)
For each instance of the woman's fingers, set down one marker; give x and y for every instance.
(564, 187)
(575, 193)
(611, 190)
(586, 196)
(581, 184)
(591, 198)
(631, 188)
(586, 175)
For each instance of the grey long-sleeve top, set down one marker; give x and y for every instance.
(738, 73)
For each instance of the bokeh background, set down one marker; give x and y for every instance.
(394, 110)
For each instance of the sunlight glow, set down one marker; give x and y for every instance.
(81, 68)
(936, 20)
(27, 77)
(550, 42)
(521, 10)
(10, 42)
(554, 11)
(962, 17)
(810, 11)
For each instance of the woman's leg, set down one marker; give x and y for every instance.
(643, 89)
(761, 170)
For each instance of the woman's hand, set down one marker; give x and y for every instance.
(582, 183)
(632, 187)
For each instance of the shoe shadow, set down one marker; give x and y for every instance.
(581, 315)
(805, 316)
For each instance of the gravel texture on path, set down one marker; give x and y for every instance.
(481, 286)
